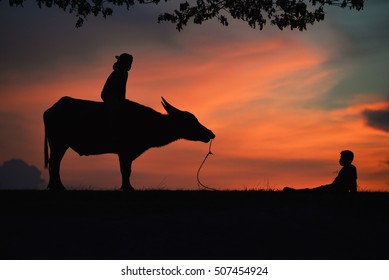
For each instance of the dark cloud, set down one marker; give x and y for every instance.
(378, 119)
(17, 174)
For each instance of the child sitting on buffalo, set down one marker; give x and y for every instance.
(114, 90)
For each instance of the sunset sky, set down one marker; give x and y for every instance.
(282, 104)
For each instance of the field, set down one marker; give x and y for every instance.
(193, 225)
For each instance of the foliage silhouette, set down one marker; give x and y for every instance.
(86, 127)
(282, 13)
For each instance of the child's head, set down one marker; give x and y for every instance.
(346, 157)
(124, 62)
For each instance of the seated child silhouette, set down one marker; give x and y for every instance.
(114, 90)
(346, 181)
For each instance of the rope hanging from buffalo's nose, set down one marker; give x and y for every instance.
(201, 165)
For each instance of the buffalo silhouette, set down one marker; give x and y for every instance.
(93, 128)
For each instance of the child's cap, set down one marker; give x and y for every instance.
(125, 58)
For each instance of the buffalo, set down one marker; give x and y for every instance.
(128, 130)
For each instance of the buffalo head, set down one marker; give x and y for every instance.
(187, 124)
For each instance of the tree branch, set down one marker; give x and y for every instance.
(282, 13)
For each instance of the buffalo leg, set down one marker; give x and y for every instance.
(56, 156)
(125, 170)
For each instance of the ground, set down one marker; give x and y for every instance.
(193, 225)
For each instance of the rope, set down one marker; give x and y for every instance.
(201, 165)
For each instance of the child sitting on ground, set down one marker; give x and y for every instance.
(346, 181)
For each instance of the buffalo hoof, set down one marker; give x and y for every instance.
(127, 189)
(56, 188)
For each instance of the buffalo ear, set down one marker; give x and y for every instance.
(169, 108)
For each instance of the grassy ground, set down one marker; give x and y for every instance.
(193, 225)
